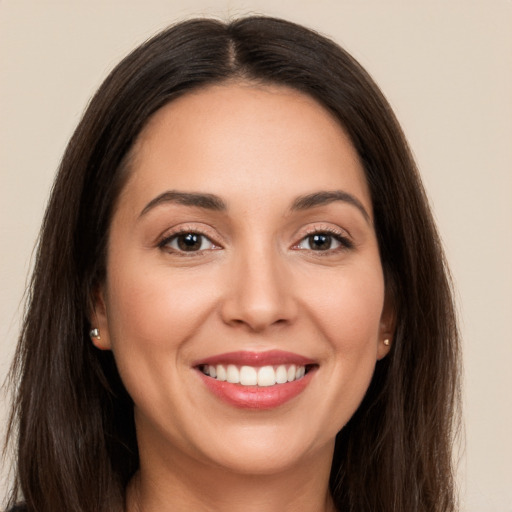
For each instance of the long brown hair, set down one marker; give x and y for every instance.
(76, 446)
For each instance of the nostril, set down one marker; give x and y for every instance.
(258, 295)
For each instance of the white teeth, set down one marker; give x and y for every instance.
(266, 376)
(221, 373)
(281, 374)
(232, 374)
(248, 376)
(291, 373)
(253, 376)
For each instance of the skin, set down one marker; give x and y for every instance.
(256, 284)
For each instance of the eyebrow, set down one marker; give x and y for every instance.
(328, 196)
(215, 203)
(205, 201)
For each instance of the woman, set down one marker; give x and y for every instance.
(240, 298)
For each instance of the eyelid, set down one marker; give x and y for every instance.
(164, 239)
(340, 234)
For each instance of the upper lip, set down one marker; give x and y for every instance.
(249, 358)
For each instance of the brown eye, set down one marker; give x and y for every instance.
(320, 242)
(324, 241)
(188, 242)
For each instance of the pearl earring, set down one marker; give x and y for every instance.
(387, 342)
(95, 333)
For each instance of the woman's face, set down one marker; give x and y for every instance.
(243, 249)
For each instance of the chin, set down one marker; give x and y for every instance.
(267, 450)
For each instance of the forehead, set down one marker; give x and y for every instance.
(242, 136)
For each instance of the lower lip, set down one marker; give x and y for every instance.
(255, 397)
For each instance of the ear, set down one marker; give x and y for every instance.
(386, 327)
(99, 321)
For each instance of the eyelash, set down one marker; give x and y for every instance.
(338, 235)
(164, 243)
(344, 241)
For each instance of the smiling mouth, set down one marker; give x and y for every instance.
(256, 380)
(262, 376)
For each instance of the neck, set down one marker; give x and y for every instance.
(183, 485)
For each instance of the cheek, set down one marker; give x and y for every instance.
(349, 314)
(348, 306)
(151, 317)
(155, 310)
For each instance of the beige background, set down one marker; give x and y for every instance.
(446, 68)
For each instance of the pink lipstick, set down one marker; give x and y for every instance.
(256, 380)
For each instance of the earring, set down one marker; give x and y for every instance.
(95, 333)
(387, 342)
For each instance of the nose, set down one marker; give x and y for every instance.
(259, 293)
